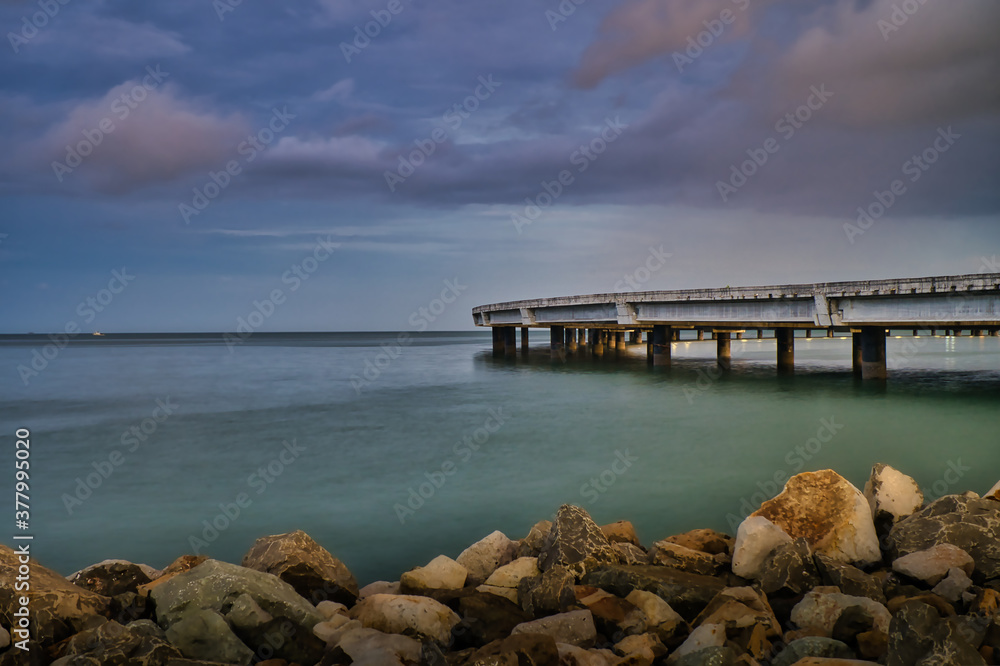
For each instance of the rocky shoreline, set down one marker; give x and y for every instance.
(822, 574)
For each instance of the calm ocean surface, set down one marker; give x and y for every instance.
(669, 450)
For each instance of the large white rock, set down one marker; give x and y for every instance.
(891, 494)
(821, 607)
(574, 628)
(932, 565)
(400, 613)
(483, 557)
(756, 538)
(828, 512)
(441, 573)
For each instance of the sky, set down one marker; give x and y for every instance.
(337, 165)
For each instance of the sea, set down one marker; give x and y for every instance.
(390, 449)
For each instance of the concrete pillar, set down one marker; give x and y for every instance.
(556, 345)
(701, 334)
(661, 345)
(723, 349)
(581, 337)
(675, 335)
(829, 332)
(571, 340)
(620, 341)
(809, 333)
(510, 340)
(785, 343)
(597, 341)
(497, 340)
(916, 333)
(524, 340)
(856, 352)
(873, 352)
(739, 335)
(760, 334)
(993, 332)
(649, 349)
(633, 337)
(712, 335)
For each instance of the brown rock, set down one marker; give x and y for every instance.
(687, 593)
(872, 644)
(523, 649)
(621, 531)
(305, 565)
(576, 541)
(849, 579)
(629, 553)
(675, 556)
(532, 545)
(178, 566)
(551, 592)
(706, 541)
(740, 608)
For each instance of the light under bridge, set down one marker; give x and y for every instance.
(866, 309)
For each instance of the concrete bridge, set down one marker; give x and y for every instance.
(947, 305)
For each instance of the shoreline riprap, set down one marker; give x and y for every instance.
(822, 574)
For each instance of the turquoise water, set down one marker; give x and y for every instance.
(669, 450)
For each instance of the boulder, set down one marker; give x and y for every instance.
(629, 553)
(891, 496)
(113, 577)
(669, 554)
(738, 608)
(849, 579)
(203, 634)
(687, 593)
(57, 607)
(968, 522)
(821, 607)
(648, 646)
(441, 573)
(790, 568)
(852, 622)
(953, 586)
(483, 557)
(706, 541)
(756, 538)
(517, 650)
(661, 619)
(509, 575)
(710, 656)
(571, 655)
(932, 565)
(305, 565)
(375, 648)
(115, 645)
(612, 615)
(812, 646)
(621, 531)
(178, 566)
(532, 545)
(576, 541)
(829, 513)
(245, 614)
(486, 618)
(917, 634)
(575, 628)
(420, 617)
(378, 587)
(704, 636)
(551, 592)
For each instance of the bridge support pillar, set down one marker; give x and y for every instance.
(610, 339)
(598, 341)
(739, 335)
(661, 345)
(581, 337)
(510, 340)
(556, 342)
(829, 332)
(524, 340)
(633, 337)
(785, 342)
(993, 332)
(620, 341)
(701, 334)
(856, 352)
(873, 352)
(675, 334)
(570, 340)
(809, 333)
(760, 334)
(497, 340)
(724, 355)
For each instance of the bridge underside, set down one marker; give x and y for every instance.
(948, 305)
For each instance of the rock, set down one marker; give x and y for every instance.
(970, 523)
(4, 638)
(374, 648)
(872, 645)
(330, 609)
(629, 553)
(519, 650)
(661, 619)
(790, 568)
(669, 554)
(740, 608)
(612, 615)
(827, 661)
(891, 496)
(993, 493)
(409, 615)
(178, 566)
(551, 592)
(933, 564)
(246, 614)
(706, 635)
(305, 565)
(532, 545)
(829, 513)
(853, 621)
(58, 608)
(621, 531)
(115, 645)
(849, 579)
(756, 538)
(812, 646)
(710, 656)
(575, 628)
(509, 575)
(953, 586)
(331, 631)
(483, 557)
(647, 646)
(687, 593)
(486, 618)
(441, 573)
(706, 541)
(822, 606)
(113, 577)
(570, 655)
(379, 587)
(204, 634)
(576, 541)
(918, 634)
(508, 593)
